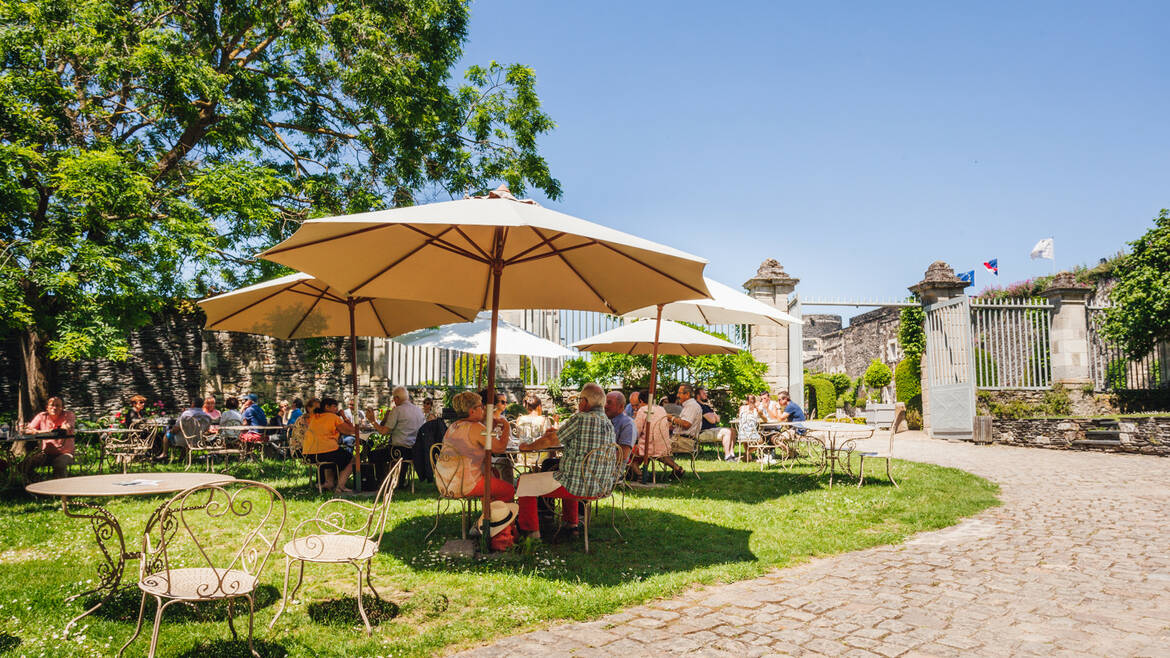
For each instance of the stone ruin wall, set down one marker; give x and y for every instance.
(869, 336)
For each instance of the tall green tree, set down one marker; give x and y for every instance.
(147, 149)
(1140, 315)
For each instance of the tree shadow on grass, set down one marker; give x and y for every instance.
(124, 604)
(344, 611)
(650, 542)
(742, 485)
(234, 649)
(8, 642)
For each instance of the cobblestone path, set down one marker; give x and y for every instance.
(1076, 562)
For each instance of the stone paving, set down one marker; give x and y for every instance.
(1076, 562)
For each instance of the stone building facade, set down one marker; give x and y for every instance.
(871, 335)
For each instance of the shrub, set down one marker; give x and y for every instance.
(913, 417)
(825, 394)
(841, 382)
(911, 335)
(877, 376)
(1057, 402)
(907, 379)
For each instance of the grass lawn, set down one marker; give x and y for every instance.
(735, 523)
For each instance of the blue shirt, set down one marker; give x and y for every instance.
(623, 429)
(795, 413)
(296, 413)
(255, 415)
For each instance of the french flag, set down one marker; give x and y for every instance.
(992, 266)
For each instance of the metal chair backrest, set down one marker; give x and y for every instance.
(192, 429)
(899, 424)
(346, 517)
(188, 531)
(597, 460)
(448, 467)
(623, 464)
(749, 427)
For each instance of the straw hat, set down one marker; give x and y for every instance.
(503, 514)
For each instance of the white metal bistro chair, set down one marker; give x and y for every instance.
(448, 468)
(197, 439)
(208, 543)
(888, 452)
(597, 460)
(125, 447)
(341, 532)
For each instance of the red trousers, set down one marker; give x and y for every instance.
(528, 521)
(500, 490)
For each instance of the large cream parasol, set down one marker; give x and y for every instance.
(491, 252)
(726, 305)
(300, 306)
(671, 338)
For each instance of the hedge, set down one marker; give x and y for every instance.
(907, 379)
(826, 395)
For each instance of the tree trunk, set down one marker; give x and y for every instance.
(36, 375)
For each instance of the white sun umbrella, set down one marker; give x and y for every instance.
(300, 306)
(475, 338)
(726, 305)
(671, 337)
(491, 252)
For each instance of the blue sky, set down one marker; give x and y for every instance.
(854, 142)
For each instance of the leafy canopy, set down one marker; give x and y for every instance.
(1140, 315)
(150, 148)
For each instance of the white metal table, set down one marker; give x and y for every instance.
(106, 529)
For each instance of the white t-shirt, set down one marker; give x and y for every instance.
(692, 413)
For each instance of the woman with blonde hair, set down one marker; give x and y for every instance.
(465, 441)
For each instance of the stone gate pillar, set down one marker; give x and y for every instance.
(938, 284)
(769, 343)
(1070, 333)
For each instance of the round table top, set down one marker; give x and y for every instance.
(128, 484)
(110, 430)
(835, 428)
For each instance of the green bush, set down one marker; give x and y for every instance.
(907, 379)
(1057, 402)
(841, 382)
(825, 395)
(877, 375)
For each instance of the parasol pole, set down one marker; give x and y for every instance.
(653, 384)
(353, 381)
(496, 271)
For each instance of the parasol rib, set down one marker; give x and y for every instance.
(305, 316)
(471, 242)
(261, 301)
(558, 252)
(680, 282)
(378, 317)
(391, 266)
(579, 275)
(331, 238)
(533, 248)
(449, 246)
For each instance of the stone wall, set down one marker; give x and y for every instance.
(869, 336)
(1147, 435)
(1083, 403)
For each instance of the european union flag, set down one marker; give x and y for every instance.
(969, 277)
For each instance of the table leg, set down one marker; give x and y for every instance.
(106, 532)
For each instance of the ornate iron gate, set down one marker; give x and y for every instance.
(950, 376)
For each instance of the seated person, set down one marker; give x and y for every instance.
(710, 431)
(533, 424)
(585, 431)
(623, 425)
(58, 451)
(653, 427)
(192, 424)
(463, 476)
(685, 426)
(749, 427)
(500, 424)
(428, 408)
(401, 423)
(209, 408)
(298, 408)
(231, 417)
(322, 431)
(137, 412)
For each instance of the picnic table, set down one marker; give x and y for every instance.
(106, 528)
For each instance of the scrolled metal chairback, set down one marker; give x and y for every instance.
(595, 460)
(337, 517)
(224, 527)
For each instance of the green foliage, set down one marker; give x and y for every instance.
(1140, 315)
(822, 389)
(146, 152)
(877, 375)
(1057, 402)
(469, 371)
(841, 382)
(515, 409)
(1117, 375)
(914, 417)
(911, 335)
(907, 380)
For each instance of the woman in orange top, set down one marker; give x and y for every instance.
(59, 451)
(323, 429)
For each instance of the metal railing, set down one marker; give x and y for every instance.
(1012, 343)
(1112, 370)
